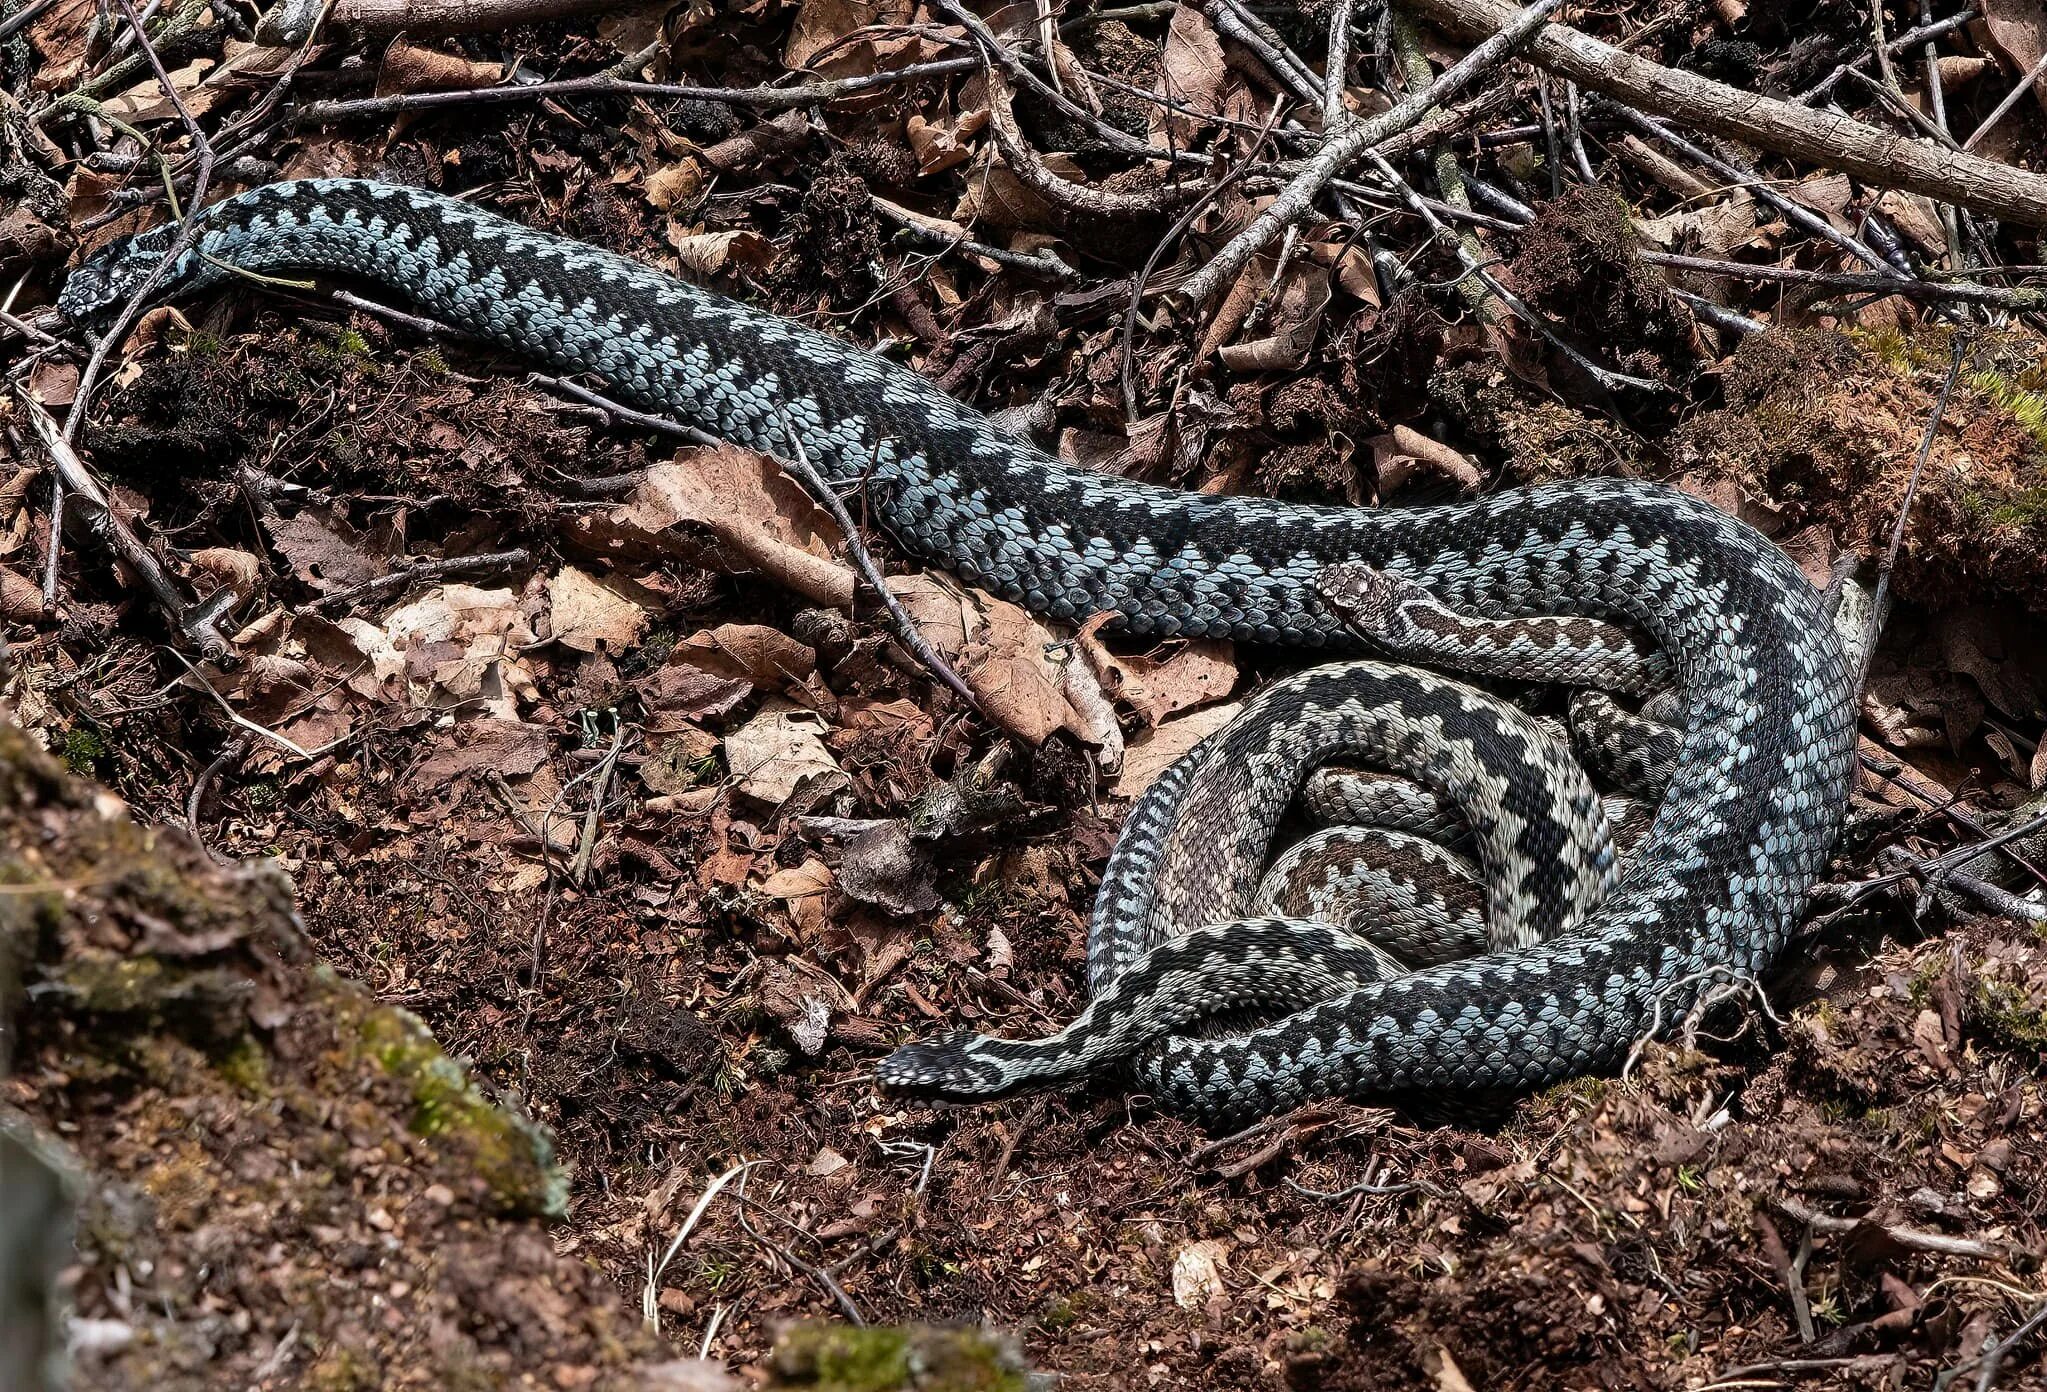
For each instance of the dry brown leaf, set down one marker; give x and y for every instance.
(1715, 230)
(812, 877)
(2018, 30)
(997, 648)
(1191, 72)
(1191, 674)
(780, 753)
(1151, 753)
(939, 145)
(761, 519)
(21, 599)
(1195, 1274)
(231, 564)
(995, 196)
(676, 186)
(587, 614)
(884, 867)
(821, 23)
(1403, 453)
(409, 68)
(323, 549)
(708, 253)
(1293, 318)
(764, 656)
(510, 748)
(1917, 218)
(54, 384)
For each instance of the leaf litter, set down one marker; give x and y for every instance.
(799, 852)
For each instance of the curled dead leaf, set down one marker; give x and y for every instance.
(757, 516)
(780, 754)
(410, 68)
(1000, 650)
(589, 614)
(1151, 753)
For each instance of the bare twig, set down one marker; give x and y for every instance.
(1879, 609)
(1925, 33)
(1337, 68)
(406, 576)
(202, 150)
(1034, 174)
(761, 98)
(863, 560)
(1351, 145)
(200, 622)
(1128, 345)
(231, 754)
(1605, 376)
(2004, 297)
(1839, 142)
(1917, 1240)
(1993, 1355)
(586, 846)
(950, 236)
(2003, 108)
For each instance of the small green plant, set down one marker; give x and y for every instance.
(84, 747)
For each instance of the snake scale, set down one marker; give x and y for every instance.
(1753, 802)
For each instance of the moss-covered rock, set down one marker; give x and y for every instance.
(513, 1157)
(905, 1358)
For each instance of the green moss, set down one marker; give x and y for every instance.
(923, 1358)
(246, 1067)
(844, 1359)
(113, 985)
(513, 1156)
(84, 747)
(2009, 1015)
(342, 1369)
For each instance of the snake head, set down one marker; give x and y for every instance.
(97, 289)
(945, 1066)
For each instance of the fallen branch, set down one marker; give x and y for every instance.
(1917, 1240)
(294, 20)
(603, 85)
(421, 570)
(1349, 146)
(200, 622)
(1839, 142)
(2015, 298)
(1087, 200)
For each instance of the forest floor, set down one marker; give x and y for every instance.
(626, 835)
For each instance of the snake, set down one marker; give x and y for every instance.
(1587, 957)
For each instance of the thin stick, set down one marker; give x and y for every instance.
(1879, 608)
(1925, 33)
(1606, 377)
(187, 235)
(1938, 1244)
(579, 869)
(863, 560)
(2003, 109)
(1350, 145)
(601, 85)
(198, 622)
(1128, 346)
(1993, 1357)
(231, 754)
(1336, 70)
(2020, 298)
(1877, 156)
(421, 570)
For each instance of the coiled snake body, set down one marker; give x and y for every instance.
(1751, 809)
